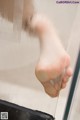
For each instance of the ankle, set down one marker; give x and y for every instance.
(41, 25)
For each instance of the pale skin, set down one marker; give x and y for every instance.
(54, 61)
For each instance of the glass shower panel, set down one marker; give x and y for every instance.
(72, 106)
(73, 48)
(18, 83)
(75, 108)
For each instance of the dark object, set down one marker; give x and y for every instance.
(16, 112)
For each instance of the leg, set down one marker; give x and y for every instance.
(53, 59)
(41, 26)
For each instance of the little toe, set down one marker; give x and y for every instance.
(69, 72)
(67, 75)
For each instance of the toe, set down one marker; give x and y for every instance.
(63, 85)
(69, 72)
(67, 75)
(50, 89)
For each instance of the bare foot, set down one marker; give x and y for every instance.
(53, 68)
